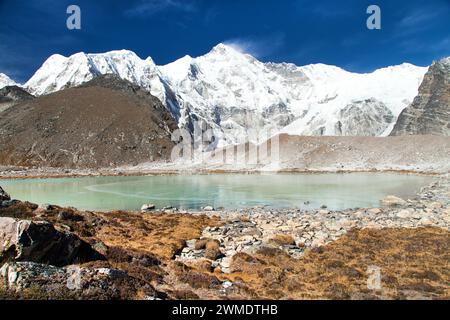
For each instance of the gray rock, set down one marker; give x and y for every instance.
(4, 196)
(148, 207)
(45, 206)
(430, 111)
(393, 201)
(25, 240)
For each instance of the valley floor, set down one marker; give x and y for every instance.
(397, 251)
(407, 154)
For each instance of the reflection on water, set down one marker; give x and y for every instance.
(336, 191)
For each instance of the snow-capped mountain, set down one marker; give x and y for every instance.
(6, 81)
(235, 93)
(60, 72)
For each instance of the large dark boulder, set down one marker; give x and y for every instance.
(3, 195)
(25, 240)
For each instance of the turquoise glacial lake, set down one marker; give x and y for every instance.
(229, 191)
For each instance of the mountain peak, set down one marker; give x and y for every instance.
(223, 49)
(6, 81)
(443, 63)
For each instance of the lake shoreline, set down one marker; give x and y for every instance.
(254, 253)
(7, 173)
(232, 191)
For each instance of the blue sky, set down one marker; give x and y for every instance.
(297, 31)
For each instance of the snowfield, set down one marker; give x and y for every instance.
(234, 93)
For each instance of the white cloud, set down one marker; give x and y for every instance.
(257, 47)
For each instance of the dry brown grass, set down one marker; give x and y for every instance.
(159, 234)
(283, 240)
(414, 264)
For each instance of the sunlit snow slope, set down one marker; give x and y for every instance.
(237, 95)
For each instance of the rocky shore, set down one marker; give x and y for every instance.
(253, 253)
(296, 230)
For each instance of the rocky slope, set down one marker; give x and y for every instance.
(430, 111)
(105, 122)
(235, 94)
(293, 153)
(12, 95)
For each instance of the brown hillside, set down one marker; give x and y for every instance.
(106, 122)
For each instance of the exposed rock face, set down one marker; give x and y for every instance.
(368, 117)
(430, 111)
(105, 122)
(25, 240)
(12, 95)
(3, 195)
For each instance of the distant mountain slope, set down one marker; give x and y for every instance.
(105, 122)
(430, 111)
(12, 95)
(6, 81)
(234, 93)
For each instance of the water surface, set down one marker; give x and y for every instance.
(230, 191)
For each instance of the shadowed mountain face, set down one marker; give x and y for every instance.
(430, 111)
(12, 95)
(105, 122)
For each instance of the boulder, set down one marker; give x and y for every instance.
(25, 240)
(148, 207)
(393, 201)
(212, 250)
(404, 214)
(4, 196)
(208, 208)
(46, 207)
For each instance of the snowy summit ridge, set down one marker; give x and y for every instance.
(234, 92)
(6, 81)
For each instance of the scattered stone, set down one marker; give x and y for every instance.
(393, 201)
(404, 214)
(148, 207)
(247, 230)
(45, 207)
